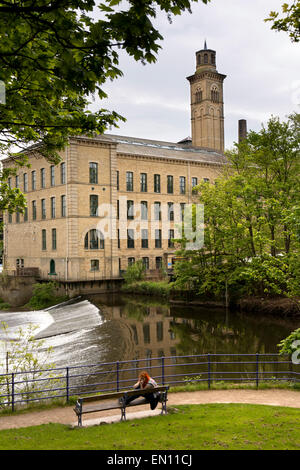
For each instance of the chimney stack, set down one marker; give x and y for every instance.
(242, 130)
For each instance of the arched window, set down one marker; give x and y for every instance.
(198, 95)
(52, 267)
(94, 240)
(198, 59)
(214, 94)
(206, 58)
(213, 59)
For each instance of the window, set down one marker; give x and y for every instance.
(93, 205)
(206, 180)
(17, 181)
(118, 181)
(129, 181)
(63, 206)
(130, 238)
(144, 234)
(94, 240)
(33, 210)
(130, 210)
(157, 183)
(194, 182)
(170, 211)
(94, 265)
(9, 218)
(33, 180)
(143, 182)
(44, 240)
(25, 214)
(43, 207)
(170, 184)
(54, 239)
(144, 210)
(9, 182)
(213, 59)
(119, 243)
(146, 333)
(93, 173)
(198, 96)
(17, 217)
(63, 173)
(52, 175)
(215, 94)
(131, 261)
(157, 238)
(159, 331)
(145, 262)
(170, 239)
(25, 180)
(157, 211)
(182, 184)
(43, 178)
(206, 58)
(158, 262)
(52, 207)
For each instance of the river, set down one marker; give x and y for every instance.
(102, 328)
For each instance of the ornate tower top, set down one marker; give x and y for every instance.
(205, 59)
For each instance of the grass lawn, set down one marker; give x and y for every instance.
(187, 427)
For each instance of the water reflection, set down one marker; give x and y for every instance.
(150, 328)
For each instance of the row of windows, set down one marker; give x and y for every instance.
(33, 178)
(95, 263)
(34, 210)
(93, 179)
(207, 58)
(157, 183)
(214, 95)
(157, 212)
(94, 239)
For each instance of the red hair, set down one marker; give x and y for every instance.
(144, 375)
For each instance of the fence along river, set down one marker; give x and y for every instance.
(102, 329)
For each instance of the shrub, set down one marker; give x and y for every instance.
(44, 296)
(135, 272)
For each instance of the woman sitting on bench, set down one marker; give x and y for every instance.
(145, 382)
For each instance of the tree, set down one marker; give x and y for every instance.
(290, 23)
(55, 55)
(251, 237)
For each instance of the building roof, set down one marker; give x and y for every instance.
(182, 150)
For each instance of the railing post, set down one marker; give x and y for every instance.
(118, 378)
(67, 384)
(12, 392)
(257, 369)
(163, 370)
(208, 369)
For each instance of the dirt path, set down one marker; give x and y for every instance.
(67, 416)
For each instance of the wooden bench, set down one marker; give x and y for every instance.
(117, 400)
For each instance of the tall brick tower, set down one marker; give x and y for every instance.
(207, 107)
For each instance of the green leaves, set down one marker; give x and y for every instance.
(252, 219)
(290, 22)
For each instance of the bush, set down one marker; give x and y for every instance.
(134, 273)
(160, 288)
(4, 305)
(44, 296)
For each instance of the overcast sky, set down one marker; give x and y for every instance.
(262, 68)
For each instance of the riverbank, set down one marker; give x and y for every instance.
(280, 306)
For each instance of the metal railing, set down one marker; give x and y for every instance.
(21, 388)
